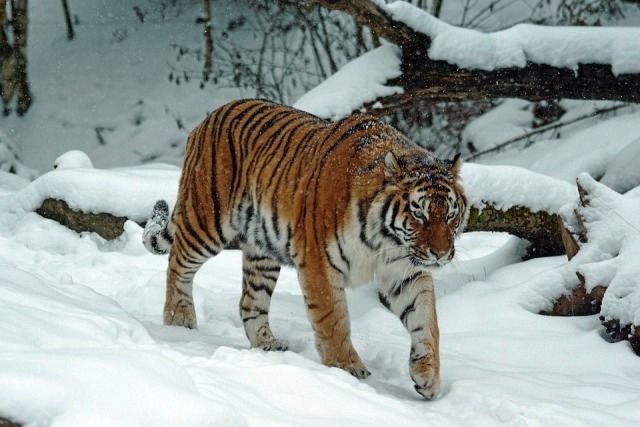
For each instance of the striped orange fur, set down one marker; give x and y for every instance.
(344, 203)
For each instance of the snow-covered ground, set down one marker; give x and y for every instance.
(81, 334)
(82, 340)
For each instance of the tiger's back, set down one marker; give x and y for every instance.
(278, 178)
(324, 197)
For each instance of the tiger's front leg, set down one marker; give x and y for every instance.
(327, 309)
(413, 301)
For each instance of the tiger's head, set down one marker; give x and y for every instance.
(423, 210)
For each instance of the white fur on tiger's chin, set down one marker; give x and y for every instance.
(74, 159)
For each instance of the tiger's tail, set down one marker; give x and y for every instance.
(158, 236)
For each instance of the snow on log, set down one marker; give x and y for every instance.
(503, 198)
(603, 275)
(440, 62)
(87, 199)
(517, 201)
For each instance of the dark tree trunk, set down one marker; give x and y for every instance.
(13, 58)
(67, 20)
(427, 80)
(208, 40)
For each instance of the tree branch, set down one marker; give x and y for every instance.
(426, 80)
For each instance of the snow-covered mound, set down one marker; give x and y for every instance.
(129, 192)
(74, 159)
(358, 82)
(82, 317)
(512, 118)
(608, 258)
(623, 173)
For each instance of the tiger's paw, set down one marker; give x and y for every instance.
(360, 372)
(274, 345)
(426, 376)
(357, 368)
(181, 315)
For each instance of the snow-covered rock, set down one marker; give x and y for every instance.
(74, 159)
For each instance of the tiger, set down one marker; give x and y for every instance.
(345, 203)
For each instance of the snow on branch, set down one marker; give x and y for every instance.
(602, 236)
(561, 47)
(440, 62)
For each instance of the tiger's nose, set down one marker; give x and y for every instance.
(440, 254)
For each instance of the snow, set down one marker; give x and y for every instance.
(512, 118)
(99, 190)
(506, 186)
(597, 149)
(82, 341)
(622, 172)
(107, 91)
(608, 258)
(74, 159)
(564, 47)
(10, 161)
(357, 83)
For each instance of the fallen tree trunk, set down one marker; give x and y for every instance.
(108, 226)
(425, 80)
(519, 221)
(540, 228)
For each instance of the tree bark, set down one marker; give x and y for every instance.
(67, 20)
(427, 80)
(13, 58)
(540, 228)
(208, 40)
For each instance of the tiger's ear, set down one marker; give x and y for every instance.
(391, 165)
(456, 165)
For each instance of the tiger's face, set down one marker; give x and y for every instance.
(424, 211)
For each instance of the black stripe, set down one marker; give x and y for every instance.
(342, 254)
(154, 245)
(362, 219)
(256, 258)
(332, 264)
(167, 236)
(409, 309)
(403, 284)
(384, 300)
(261, 287)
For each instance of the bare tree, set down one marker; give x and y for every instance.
(208, 40)
(67, 20)
(13, 57)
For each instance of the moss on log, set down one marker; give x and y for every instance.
(106, 225)
(5, 422)
(540, 228)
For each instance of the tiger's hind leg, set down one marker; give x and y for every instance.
(188, 253)
(259, 278)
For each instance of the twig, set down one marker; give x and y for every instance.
(542, 129)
